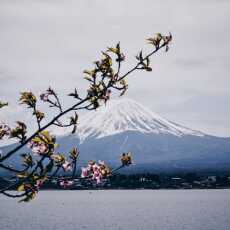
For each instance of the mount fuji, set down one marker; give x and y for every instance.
(156, 143)
(127, 115)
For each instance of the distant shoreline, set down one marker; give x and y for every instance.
(125, 189)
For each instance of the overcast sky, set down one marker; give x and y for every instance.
(50, 42)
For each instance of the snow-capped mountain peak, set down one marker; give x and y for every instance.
(127, 115)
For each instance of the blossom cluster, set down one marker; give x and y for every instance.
(96, 171)
(45, 96)
(39, 183)
(28, 98)
(43, 143)
(4, 131)
(40, 148)
(19, 131)
(60, 161)
(67, 166)
(66, 183)
(126, 159)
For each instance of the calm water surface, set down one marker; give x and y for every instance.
(119, 209)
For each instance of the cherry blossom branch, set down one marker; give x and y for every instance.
(101, 79)
(41, 129)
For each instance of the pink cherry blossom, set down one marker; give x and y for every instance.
(44, 97)
(99, 179)
(67, 166)
(85, 172)
(38, 148)
(95, 167)
(95, 171)
(39, 184)
(66, 183)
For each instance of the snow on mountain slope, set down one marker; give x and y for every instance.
(127, 115)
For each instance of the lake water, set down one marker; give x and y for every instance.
(119, 209)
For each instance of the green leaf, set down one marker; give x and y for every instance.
(21, 188)
(3, 104)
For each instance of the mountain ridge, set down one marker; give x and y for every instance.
(127, 115)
